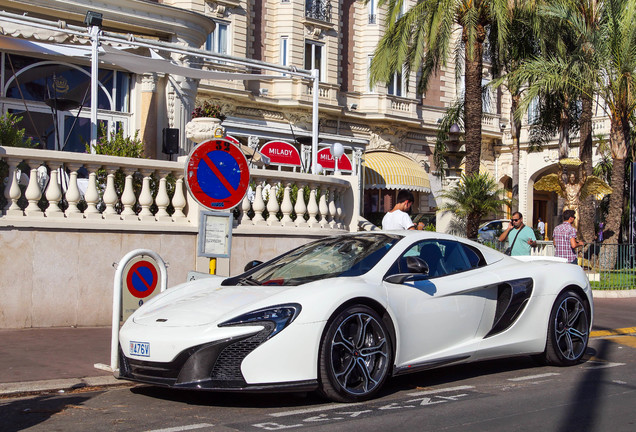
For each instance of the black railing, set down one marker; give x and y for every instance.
(318, 9)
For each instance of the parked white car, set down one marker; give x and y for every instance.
(343, 314)
(489, 231)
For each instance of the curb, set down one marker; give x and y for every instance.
(614, 293)
(59, 385)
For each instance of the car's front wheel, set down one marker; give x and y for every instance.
(355, 355)
(568, 330)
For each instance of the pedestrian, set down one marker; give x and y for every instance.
(398, 218)
(541, 227)
(564, 238)
(523, 238)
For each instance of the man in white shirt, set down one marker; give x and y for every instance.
(398, 218)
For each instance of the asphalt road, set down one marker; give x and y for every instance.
(501, 395)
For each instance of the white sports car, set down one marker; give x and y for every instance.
(345, 313)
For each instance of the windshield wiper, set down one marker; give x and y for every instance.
(247, 281)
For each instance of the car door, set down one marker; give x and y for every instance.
(438, 317)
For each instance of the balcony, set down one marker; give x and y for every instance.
(318, 9)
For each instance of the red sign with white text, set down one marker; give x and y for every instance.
(281, 153)
(326, 160)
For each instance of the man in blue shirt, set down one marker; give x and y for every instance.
(520, 237)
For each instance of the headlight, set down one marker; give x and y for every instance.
(280, 316)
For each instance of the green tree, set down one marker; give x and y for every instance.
(605, 66)
(521, 45)
(473, 198)
(10, 135)
(419, 40)
(577, 24)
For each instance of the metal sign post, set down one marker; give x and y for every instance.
(117, 295)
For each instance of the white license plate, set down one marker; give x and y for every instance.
(141, 349)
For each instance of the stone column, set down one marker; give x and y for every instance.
(148, 114)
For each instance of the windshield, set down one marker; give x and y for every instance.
(350, 255)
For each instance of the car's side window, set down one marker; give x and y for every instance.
(475, 258)
(453, 257)
(443, 257)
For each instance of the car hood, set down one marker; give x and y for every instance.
(202, 303)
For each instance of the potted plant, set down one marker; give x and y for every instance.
(206, 122)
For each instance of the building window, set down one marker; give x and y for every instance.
(284, 51)
(372, 12)
(487, 97)
(370, 88)
(314, 58)
(395, 87)
(217, 41)
(54, 99)
(533, 111)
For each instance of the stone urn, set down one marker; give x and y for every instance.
(202, 129)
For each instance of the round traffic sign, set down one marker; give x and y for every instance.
(217, 174)
(142, 279)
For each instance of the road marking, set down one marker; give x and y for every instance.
(444, 390)
(183, 428)
(531, 377)
(602, 365)
(313, 410)
(615, 332)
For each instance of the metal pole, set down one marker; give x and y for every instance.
(315, 75)
(117, 294)
(94, 33)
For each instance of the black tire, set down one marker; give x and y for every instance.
(356, 355)
(568, 331)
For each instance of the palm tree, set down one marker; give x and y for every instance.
(474, 197)
(579, 23)
(420, 41)
(520, 46)
(609, 71)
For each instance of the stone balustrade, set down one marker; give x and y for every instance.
(281, 196)
(45, 188)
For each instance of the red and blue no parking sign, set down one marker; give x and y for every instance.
(217, 174)
(142, 279)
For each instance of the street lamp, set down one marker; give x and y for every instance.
(337, 150)
(93, 21)
(453, 153)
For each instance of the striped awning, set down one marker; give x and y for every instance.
(389, 170)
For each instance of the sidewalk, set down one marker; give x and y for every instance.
(50, 359)
(43, 359)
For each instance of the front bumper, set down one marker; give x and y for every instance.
(210, 366)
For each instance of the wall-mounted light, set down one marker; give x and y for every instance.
(93, 19)
(354, 107)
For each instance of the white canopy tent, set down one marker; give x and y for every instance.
(116, 54)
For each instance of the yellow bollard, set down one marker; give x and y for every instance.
(212, 265)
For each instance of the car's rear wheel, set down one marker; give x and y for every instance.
(355, 355)
(568, 330)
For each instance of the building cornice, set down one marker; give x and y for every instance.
(139, 17)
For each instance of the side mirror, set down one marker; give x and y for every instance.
(418, 270)
(250, 265)
(401, 278)
(416, 265)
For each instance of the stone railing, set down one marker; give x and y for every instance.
(49, 187)
(45, 188)
(279, 200)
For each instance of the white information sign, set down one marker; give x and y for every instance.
(215, 234)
